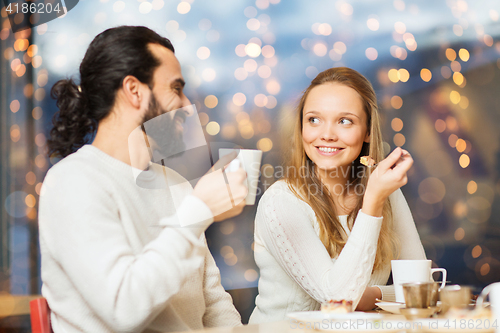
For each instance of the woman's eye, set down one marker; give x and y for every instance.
(346, 121)
(313, 120)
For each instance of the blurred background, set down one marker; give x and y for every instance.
(435, 66)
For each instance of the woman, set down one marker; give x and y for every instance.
(329, 230)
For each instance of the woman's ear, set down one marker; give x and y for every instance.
(367, 137)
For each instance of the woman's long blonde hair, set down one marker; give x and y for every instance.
(304, 178)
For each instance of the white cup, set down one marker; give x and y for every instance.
(409, 271)
(250, 161)
(494, 291)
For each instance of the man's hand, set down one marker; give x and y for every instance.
(236, 210)
(367, 301)
(225, 200)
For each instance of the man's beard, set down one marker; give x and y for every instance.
(160, 127)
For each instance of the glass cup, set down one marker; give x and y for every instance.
(421, 294)
(455, 296)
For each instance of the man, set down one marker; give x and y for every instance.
(114, 258)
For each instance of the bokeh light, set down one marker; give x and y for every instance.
(431, 190)
(15, 133)
(273, 87)
(458, 78)
(240, 74)
(425, 74)
(372, 24)
(455, 97)
(396, 102)
(472, 187)
(239, 99)
(209, 74)
(451, 55)
(15, 204)
(371, 53)
(459, 234)
(30, 178)
(464, 55)
(460, 145)
(397, 124)
(464, 161)
(455, 66)
(446, 72)
(212, 128)
(265, 144)
(37, 113)
(228, 131)
(250, 65)
(211, 101)
(203, 53)
(15, 106)
(253, 24)
(260, 100)
(476, 251)
(403, 75)
(440, 125)
(227, 227)
(264, 71)
(183, 7)
(30, 200)
(252, 50)
(251, 275)
(399, 139)
(320, 49)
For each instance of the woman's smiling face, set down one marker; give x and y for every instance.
(334, 126)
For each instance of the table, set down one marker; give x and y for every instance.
(274, 327)
(284, 326)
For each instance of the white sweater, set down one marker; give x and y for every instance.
(114, 258)
(296, 271)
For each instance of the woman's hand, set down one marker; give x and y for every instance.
(367, 301)
(389, 175)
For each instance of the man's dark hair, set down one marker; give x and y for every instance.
(111, 56)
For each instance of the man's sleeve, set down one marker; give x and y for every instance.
(81, 228)
(220, 310)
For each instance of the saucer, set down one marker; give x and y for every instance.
(392, 307)
(395, 307)
(415, 313)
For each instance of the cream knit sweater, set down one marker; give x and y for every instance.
(296, 271)
(114, 258)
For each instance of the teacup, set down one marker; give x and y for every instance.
(410, 271)
(493, 290)
(250, 160)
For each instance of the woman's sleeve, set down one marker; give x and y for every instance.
(287, 232)
(406, 232)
